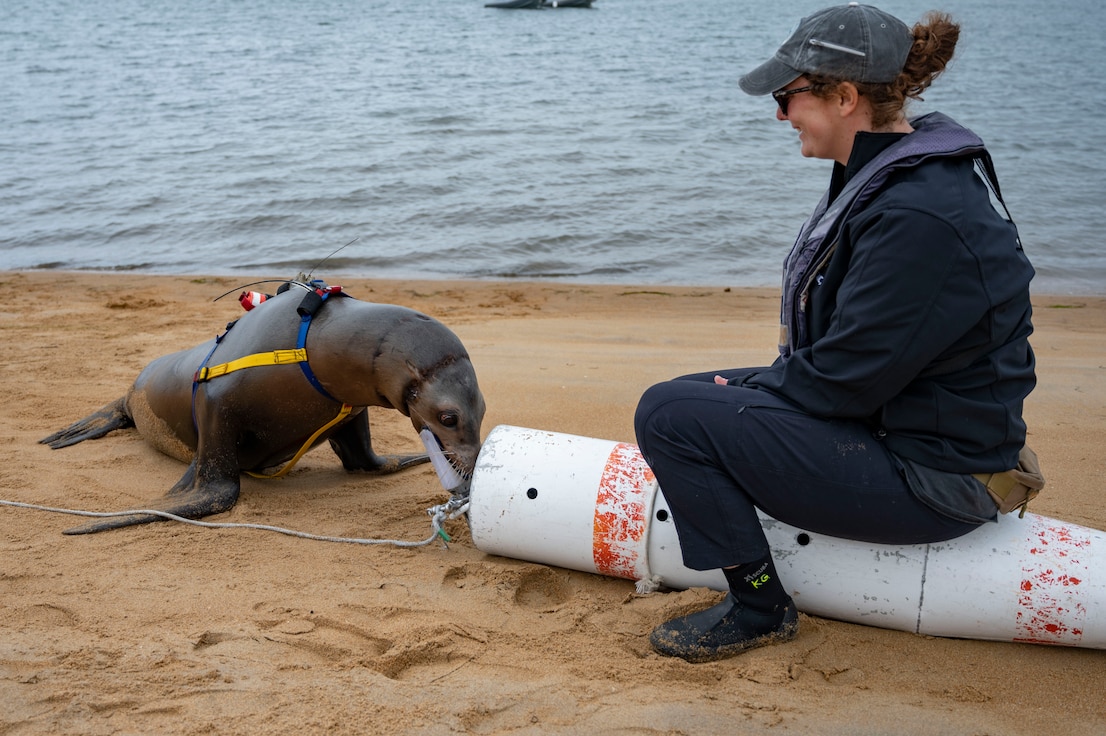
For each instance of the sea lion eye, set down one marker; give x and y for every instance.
(447, 419)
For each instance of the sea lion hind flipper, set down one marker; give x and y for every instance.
(353, 446)
(189, 498)
(109, 418)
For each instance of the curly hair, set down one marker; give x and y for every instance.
(935, 38)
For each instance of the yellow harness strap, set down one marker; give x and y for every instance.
(342, 414)
(276, 357)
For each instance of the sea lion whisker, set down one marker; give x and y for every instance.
(450, 456)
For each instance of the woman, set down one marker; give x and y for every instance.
(904, 359)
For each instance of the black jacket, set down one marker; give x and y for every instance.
(916, 310)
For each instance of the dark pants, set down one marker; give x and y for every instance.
(720, 452)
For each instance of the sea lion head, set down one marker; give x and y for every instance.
(446, 400)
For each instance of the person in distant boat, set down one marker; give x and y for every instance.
(893, 413)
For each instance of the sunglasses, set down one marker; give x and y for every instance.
(783, 97)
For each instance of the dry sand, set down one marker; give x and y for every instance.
(174, 629)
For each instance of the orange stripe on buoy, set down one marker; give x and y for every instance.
(1050, 607)
(621, 518)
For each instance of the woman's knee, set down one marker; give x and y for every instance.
(669, 412)
(660, 411)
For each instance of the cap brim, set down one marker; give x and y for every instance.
(768, 77)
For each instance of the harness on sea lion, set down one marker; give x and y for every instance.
(313, 300)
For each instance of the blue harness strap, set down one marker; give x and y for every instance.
(301, 344)
(203, 364)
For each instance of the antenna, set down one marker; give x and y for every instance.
(310, 271)
(252, 283)
(301, 279)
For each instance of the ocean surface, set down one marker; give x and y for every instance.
(449, 140)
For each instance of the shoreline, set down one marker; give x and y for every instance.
(244, 278)
(174, 629)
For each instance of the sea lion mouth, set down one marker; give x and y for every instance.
(450, 478)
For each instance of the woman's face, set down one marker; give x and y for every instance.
(824, 132)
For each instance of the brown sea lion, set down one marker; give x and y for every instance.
(225, 417)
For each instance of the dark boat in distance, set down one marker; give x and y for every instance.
(539, 4)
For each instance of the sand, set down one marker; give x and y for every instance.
(174, 629)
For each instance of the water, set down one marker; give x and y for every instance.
(604, 145)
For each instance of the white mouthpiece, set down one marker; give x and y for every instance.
(449, 477)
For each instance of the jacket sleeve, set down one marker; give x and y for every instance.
(911, 289)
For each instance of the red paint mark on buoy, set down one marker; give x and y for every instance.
(1050, 608)
(618, 538)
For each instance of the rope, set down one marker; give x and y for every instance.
(455, 507)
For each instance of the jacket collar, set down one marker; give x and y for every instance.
(866, 146)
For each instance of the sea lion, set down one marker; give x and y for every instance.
(226, 418)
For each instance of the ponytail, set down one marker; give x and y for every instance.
(935, 38)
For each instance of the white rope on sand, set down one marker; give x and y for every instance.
(452, 509)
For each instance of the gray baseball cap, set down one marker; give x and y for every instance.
(855, 43)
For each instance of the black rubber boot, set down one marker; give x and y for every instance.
(724, 630)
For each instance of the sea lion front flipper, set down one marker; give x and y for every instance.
(353, 445)
(108, 418)
(196, 494)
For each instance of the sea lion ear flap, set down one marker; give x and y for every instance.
(413, 372)
(410, 388)
(393, 385)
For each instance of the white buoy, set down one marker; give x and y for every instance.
(594, 505)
